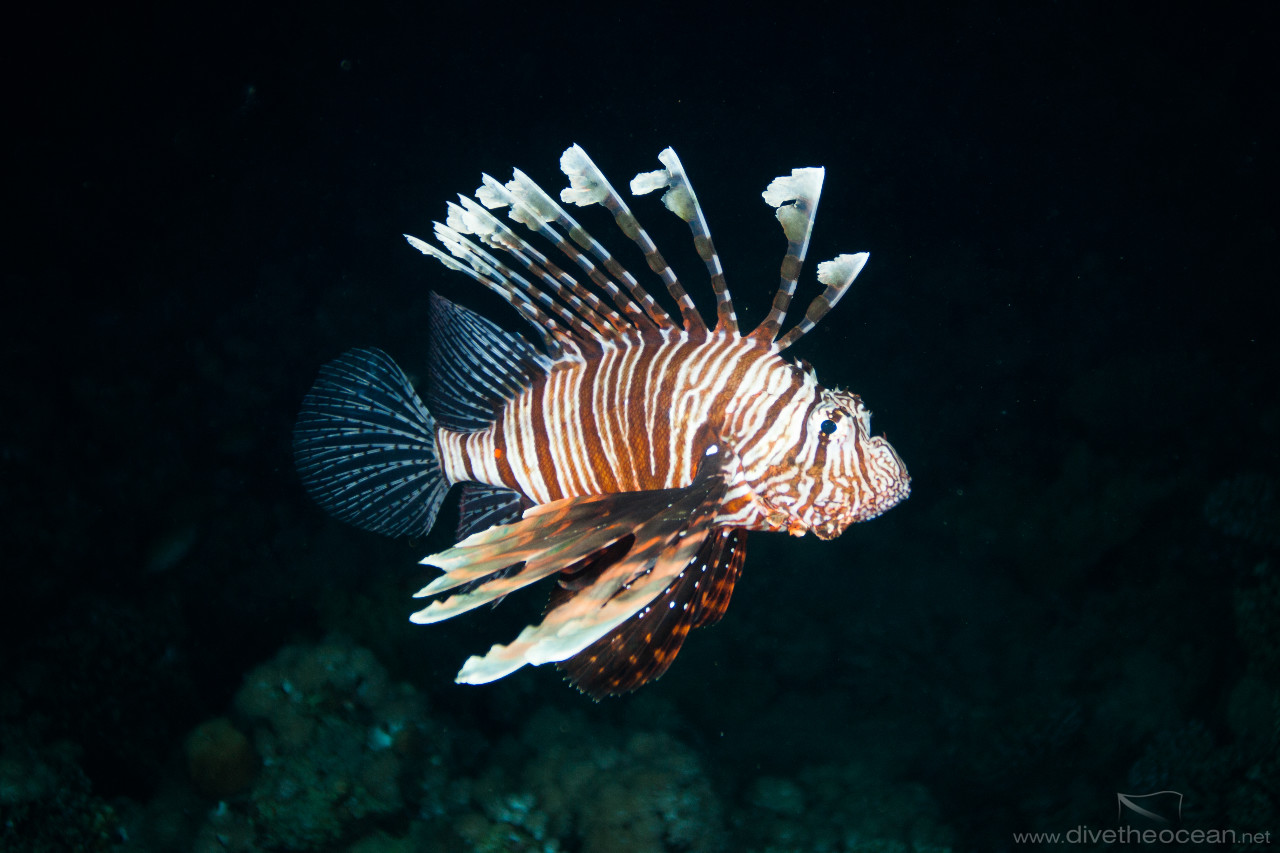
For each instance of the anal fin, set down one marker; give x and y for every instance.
(482, 506)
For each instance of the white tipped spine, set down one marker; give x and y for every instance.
(431, 251)
(491, 193)
(801, 183)
(586, 183)
(841, 270)
(646, 182)
(796, 198)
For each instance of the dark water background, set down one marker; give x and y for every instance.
(1068, 328)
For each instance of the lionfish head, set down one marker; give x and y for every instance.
(843, 473)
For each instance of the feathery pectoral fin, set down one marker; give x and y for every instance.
(642, 648)
(587, 536)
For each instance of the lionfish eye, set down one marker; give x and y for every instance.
(828, 426)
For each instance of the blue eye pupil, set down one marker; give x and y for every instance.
(828, 426)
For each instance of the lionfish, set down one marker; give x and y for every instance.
(627, 457)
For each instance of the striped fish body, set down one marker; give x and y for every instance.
(626, 456)
(640, 417)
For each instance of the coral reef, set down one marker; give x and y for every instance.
(639, 792)
(1257, 612)
(109, 677)
(1247, 507)
(1231, 780)
(573, 784)
(840, 809)
(1253, 712)
(46, 802)
(507, 823)
(220, 759)
(343, 758)
(335, 736)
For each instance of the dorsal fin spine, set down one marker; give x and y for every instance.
(796, 198)
(837, 274)
(493, 194)
(533, 315)
(562, 320)
(568, 313)
(681, 200)
(603, 320)
(588, 185)
(535, 209)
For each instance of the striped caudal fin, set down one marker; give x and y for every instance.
(365, 449)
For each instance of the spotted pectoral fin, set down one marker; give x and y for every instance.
(625, 548)
(644, 646)
(663, 547)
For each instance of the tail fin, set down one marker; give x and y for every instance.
(364, 446)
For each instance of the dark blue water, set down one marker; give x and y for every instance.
(1067, 328)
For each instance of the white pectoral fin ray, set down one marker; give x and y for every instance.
(547, 539)
(636, 543)
(619, 593)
